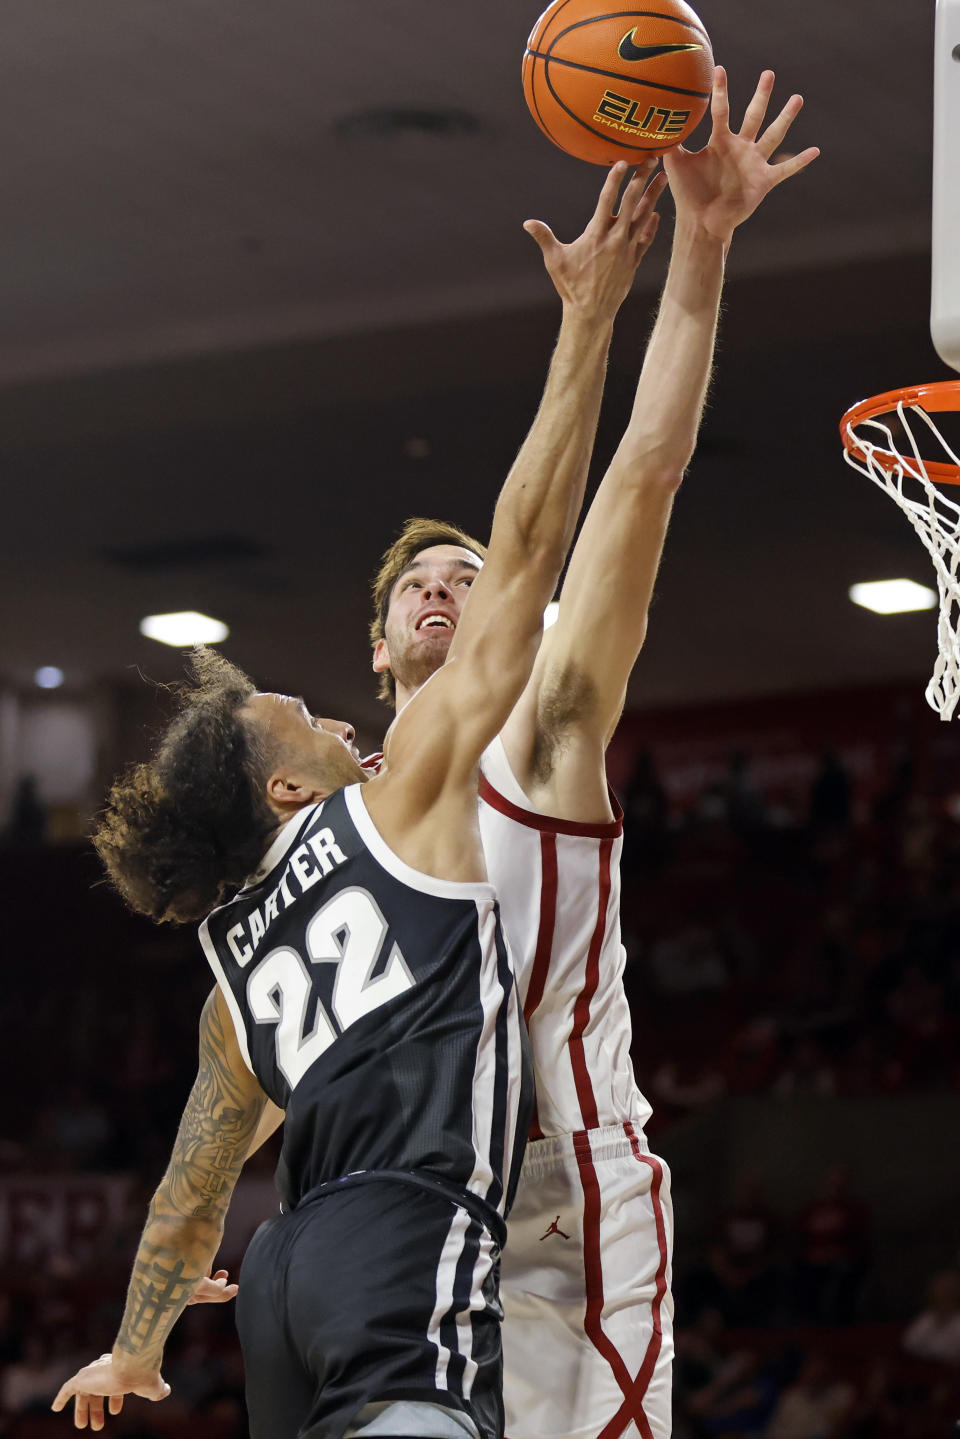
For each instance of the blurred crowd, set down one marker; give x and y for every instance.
(794, 951)
(811, 954)
(792, 954)
(775, 1338)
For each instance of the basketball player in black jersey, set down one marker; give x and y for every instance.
(363, 985)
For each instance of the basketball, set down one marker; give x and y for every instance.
(619, 86)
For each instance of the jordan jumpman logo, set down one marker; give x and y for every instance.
(554, 1229)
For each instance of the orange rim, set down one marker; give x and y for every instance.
(935, 397)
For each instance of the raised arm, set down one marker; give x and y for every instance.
(441, 733)
(556, 735)
(184, 1224)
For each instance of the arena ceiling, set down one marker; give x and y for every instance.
(244, 331)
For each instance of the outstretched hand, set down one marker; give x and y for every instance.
(721, 185)
(593, 274)
(102, 1380)
(214, 1289)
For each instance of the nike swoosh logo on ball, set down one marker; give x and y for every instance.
(627, 50)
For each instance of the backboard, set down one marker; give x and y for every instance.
(945, 289)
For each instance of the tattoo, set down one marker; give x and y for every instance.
(186, 1216)
(215, 1132)
(154, 1293)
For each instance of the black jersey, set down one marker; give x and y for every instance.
(377, 1006)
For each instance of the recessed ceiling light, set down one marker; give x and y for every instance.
(186, 627)
(48, 677)
(550, 614)
(893, 597)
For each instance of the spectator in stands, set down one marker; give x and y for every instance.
(807, 1071)
(918, 834)
(750, 1242)
(751, 1057)
(876, 1412)
(925, 1030)
(708, 840)
(835, 1243)
(870, 1066)
(737, 1402)
(935, 1332)
(830, 807)
(680, 1086)
(78, 1130)
(740, 1275)
(699, 1357)
(26, 1385)
(814, 1406)
(27, 825)
(645, 806)
(746, 809)
(891, 804)
(698, 1350)
(688, 960)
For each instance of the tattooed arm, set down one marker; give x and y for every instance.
(185, 1222)
(184, 1225)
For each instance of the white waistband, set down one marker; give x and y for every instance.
(615, 1141)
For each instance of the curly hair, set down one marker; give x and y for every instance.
(416, 535)
(183, 831)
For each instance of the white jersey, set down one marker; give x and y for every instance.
(558, 884)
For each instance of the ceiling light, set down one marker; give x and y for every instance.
(550, 614)
(48, 677)
(186, 627)
(893, 597)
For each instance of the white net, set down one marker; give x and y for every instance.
(903, 474)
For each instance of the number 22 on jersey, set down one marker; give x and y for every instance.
(349, 932)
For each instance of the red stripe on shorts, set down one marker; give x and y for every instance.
(592, 1260)
(593, 1264)
(632, 1406)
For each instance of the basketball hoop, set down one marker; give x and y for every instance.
(911, 482)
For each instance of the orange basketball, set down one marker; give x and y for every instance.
(618, 86)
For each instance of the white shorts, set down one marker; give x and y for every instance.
(585, 1283)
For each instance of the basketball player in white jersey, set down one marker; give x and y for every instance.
(586, 1271)
(403, 1082)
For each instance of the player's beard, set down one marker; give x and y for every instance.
(329, 770)
(342, 769)
(413, 662)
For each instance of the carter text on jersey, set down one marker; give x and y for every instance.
(308, 864)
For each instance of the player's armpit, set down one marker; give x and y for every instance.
(559, 729)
